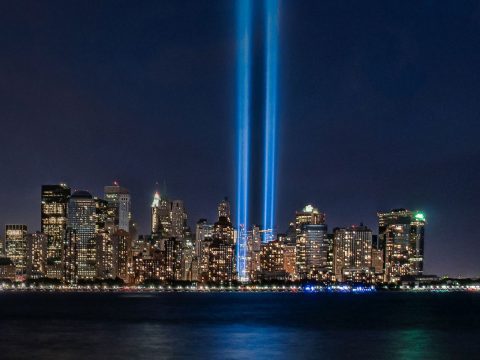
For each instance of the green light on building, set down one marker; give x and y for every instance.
(420, 216)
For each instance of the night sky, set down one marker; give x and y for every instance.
(380, 108)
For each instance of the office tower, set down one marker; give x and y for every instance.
(291, 234)
(272, 261)
(104, 254)
(377, 262)
(165, 219)
(53, 224)
(178, 218)
(223, 209)
(155, 215)
(187, 258)
(103, 221)
(203, 235)
(223, 230)
(203, 232)
(417, 243)
(69, 257)
(290, 261)
(122, 256)
(353, 254)
(254, 249)
(119, 206)
(312, 252)
(309, 215)
(330, 254)
(83, 222)
(221, 262)
(173, 259)
(401, 236)
(16, 247)
(37, 244)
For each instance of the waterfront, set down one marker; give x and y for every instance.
(240, 325)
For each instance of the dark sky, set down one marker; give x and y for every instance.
(380, 108)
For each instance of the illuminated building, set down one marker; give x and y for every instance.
(203, 232)
(330, 255)
(147, 264)
(312, 252)
(7, 269)
(254, 249)
(272, 261)
(119, 206)
(308, 216)
(187, 259)
(155, 215)
(353, 254)
(37, 244)
(401, 236)
(377, 263)
(173, 259)
(223, 209)
(221, 262)
(103, 221)
(82, 222)
(223, 230)
(69, 257)
(417, 243)
(203, 236)
(290, 261)
(53, 224)
(161, 209)
(16, 247)
(122, 256)
(104, 254)
(178, 218)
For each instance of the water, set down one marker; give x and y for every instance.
(240, 326)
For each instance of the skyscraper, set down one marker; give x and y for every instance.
(401, 236)
(53, 224)
(178, 218)
(155, 215)
(254, 249)
(119, 206)
(308, 215)
(203, 238)
(312, 252)
(82, 223)
(16, 247)
(223, 209)
(417, 243)
(273, 261)
(221, 262)
(353, 254)
(36, 255)
(161, 221)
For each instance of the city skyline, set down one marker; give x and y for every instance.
(369, 119)
(99, 242)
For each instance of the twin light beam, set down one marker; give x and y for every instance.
(244, 66)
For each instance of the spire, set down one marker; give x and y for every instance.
(156, 199)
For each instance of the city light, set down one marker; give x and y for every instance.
(244, 24)
(270, 138)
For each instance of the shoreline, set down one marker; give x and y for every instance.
(254, 289)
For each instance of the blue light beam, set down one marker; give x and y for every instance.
(270, 142)
(244, 29)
